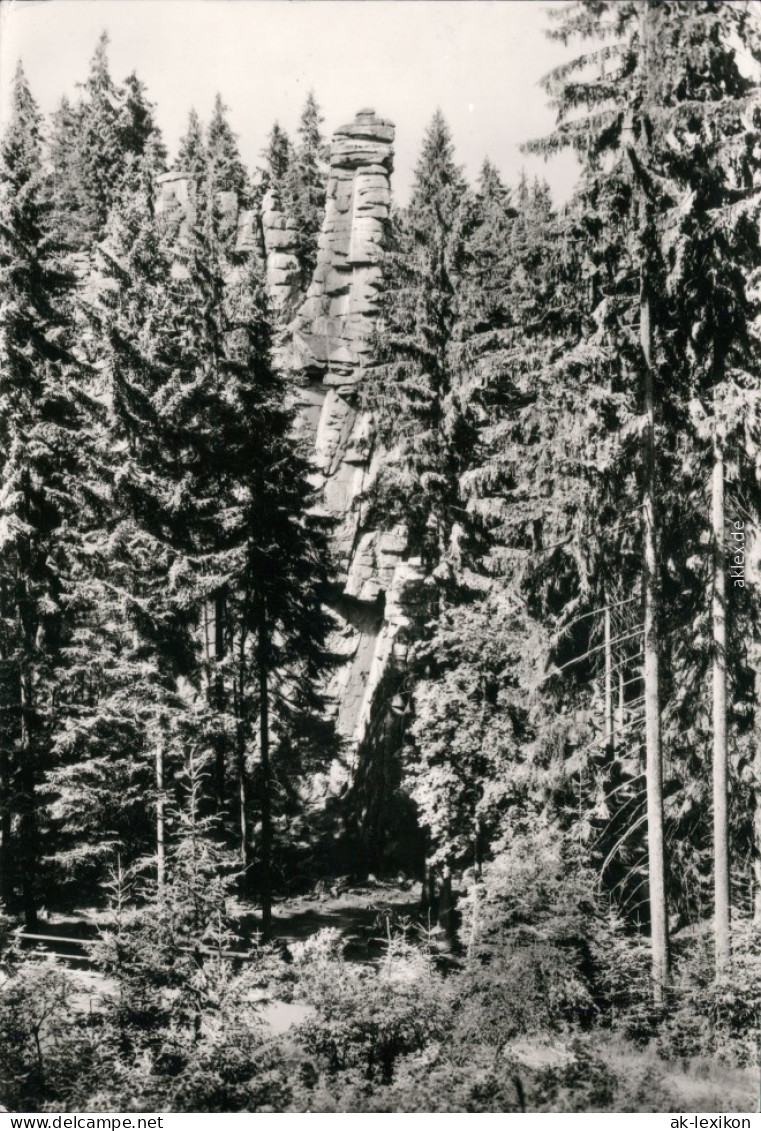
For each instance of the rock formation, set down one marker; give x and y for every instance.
(327, 344)
(333, 328)
(331, 351)
(282, 265)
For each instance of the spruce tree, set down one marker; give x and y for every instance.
(39, 419)
(252, 526)
(544, 489)
(130, 641)
(616, 99)
(224, 568)
(191, 155)
(656, 93)
(281, 565)
(225, 166)
(711, 250)
(278, 155)
(305, 185)
(65, 188)
(100, 152)
(415, 395)
(138, 132)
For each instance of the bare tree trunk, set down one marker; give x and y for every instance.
(720, 761)
(219, 698)
(428, 898)
(475, 917)
(28, 807)
(243, 788)
(446, 905)
(265, 886)
(755, 663)
(653, 749)
(651, 644)
(620, 717)
(6, 812)
(7, 868)
(608, 686)
(245, 840)
(243, 791)
(757, 839)
(160, 819)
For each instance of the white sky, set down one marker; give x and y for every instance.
(479, 60)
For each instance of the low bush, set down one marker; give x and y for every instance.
(367, 1018)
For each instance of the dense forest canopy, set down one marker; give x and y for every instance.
(554, 806)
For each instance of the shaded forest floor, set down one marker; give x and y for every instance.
(361, 912)
(364, 919)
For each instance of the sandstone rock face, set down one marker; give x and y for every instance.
(174, 192)
(331, 351)
(283, 273)
(333, 328)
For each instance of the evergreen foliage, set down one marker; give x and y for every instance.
(191, 156)
(417, 395)
(304, 183)
(225, 167)
(100, 146)
(564, 416)
(278, 157)
(39, 497)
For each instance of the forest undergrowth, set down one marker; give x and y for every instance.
(544, 1005)
(558, 431)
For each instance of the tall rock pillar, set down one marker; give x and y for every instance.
(332, 349)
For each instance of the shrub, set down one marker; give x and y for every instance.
(367, 1018)
(717, 1018)
(43, 1038)
(530, 966)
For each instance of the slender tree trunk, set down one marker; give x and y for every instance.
(755, 661)
(620, 716)
(650, 579)
(720, 761)
(219, 698)
(653, 749)
(266, 797)
(475, 917)
(428, 890)
(206, 641)
(757, 837)
(28, 808)
(160, 819)
(245, 839)
(7, 869)
(446, 905)
(478, 850)
(6, 814)
(608, 686)
(242, 733)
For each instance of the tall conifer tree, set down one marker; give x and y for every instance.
(278, 156)
(191, 155)
(226, 168)
(416, 398)
(39, 419)
(712, 250)
(100, 152)
(305, 184)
